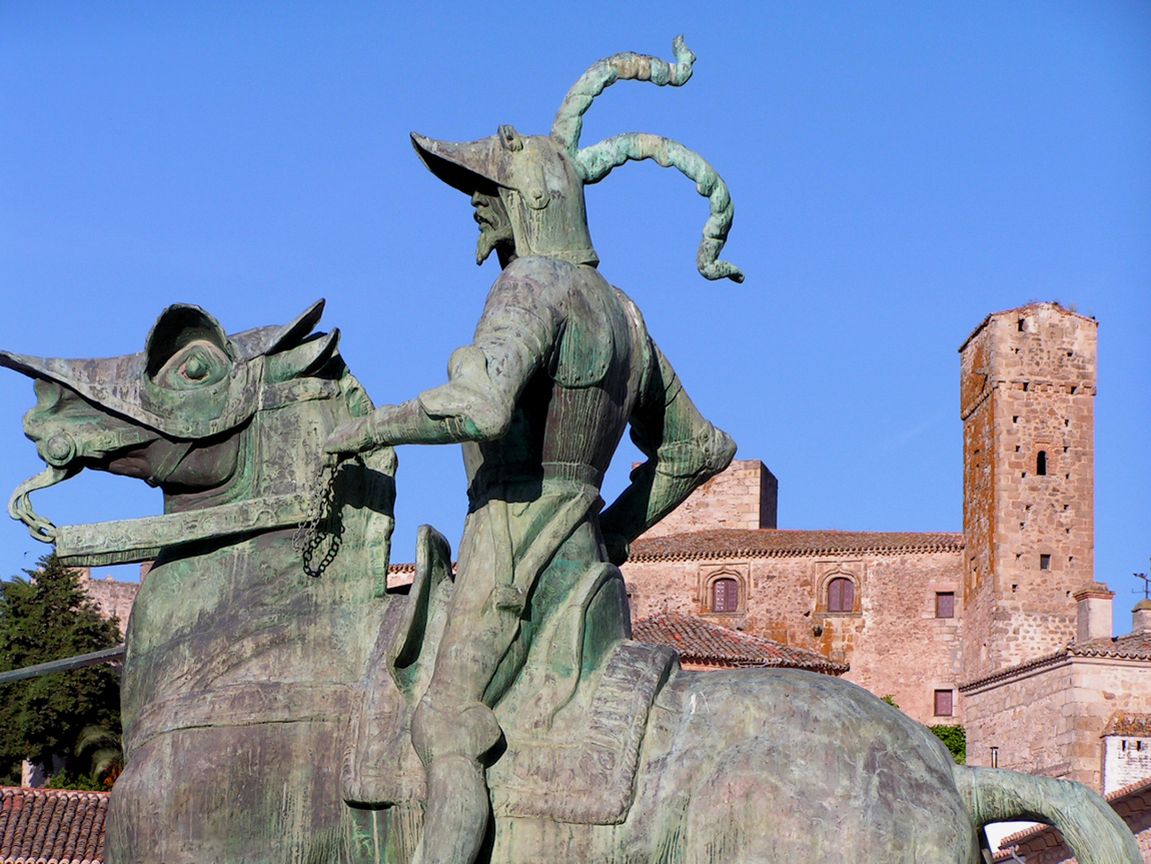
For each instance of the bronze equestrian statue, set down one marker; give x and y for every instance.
(283, 703)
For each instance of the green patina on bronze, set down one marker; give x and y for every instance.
(282, 705)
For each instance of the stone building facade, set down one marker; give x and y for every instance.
(1027, 393)
(112, 597)
(886, 604)
(918, 615)
(1078, 713)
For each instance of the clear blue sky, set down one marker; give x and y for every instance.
(899, 171)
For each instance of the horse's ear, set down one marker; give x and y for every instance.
(303, 360)
(295, 333)
(176, 328)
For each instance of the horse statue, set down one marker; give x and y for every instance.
(241, 669)
(271, 673)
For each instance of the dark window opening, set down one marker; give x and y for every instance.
(945, 604)
(1026, 386)
(1022, 324)
(840, 595)
(943, 703)
(1041, 463)
(1044, 562)
(725, 595)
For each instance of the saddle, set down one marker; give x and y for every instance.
(573, 721)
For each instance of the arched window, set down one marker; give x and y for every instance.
(840, 595)
(1041, 463)
(725, 595)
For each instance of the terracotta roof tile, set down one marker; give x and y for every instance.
(699, 641)
(52, 826)
(772, 542)
(1129, 723)
(1134, 646)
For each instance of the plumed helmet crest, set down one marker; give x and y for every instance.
(596, 162)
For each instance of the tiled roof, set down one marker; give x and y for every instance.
(771, 542)
(1130, 724)
(1134, 646)
(1129, 802)
(699, 641)
(51, 826)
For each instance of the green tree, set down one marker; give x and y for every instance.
(45, 616)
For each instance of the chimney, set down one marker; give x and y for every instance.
(1093, 612)
(1141, 617)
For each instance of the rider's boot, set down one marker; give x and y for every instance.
(457, 807)
(456, 812)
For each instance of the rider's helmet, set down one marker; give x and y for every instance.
(539, 179)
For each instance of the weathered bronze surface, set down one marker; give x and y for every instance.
(281, 705)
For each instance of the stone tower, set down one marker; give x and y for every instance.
(1027, 395)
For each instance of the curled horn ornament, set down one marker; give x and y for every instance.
(597, 161)
(568, 125)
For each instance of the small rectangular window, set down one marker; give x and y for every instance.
(1044, 562)
(944, 604)
(943, 703)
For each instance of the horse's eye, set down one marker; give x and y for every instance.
(196, 365)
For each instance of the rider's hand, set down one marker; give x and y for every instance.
(349, 439)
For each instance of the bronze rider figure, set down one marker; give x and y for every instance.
(560, 365)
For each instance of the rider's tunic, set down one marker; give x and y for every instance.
(560, 364)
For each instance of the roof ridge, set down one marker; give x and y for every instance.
(712, 543)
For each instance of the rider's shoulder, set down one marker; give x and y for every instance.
(540, 269)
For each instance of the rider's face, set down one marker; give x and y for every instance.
(495, 227)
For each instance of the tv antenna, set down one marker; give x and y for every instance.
(1146, 589)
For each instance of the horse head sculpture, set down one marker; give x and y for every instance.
(249, 638)
(198, 413)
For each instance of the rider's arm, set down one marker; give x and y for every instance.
(514, 336)
(683, 451)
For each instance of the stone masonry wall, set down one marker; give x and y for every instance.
(743, 496)
(1027, 401)
(112, 597)
(1040, 702)
(1049, 720)
(892, 639)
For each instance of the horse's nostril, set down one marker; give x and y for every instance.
(59, 450)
